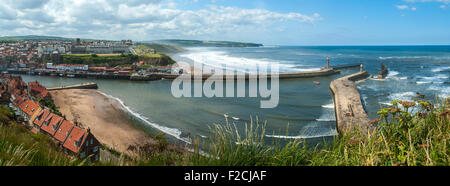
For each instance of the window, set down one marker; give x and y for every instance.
(92, 141)
(95, 149)
(26, 106)
(82, 155)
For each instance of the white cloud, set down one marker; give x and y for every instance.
(135, 19)
(402, 7)
(406, 7)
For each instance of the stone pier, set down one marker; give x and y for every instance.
(348, 106)
(78, 86)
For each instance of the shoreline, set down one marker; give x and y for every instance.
(104, 116)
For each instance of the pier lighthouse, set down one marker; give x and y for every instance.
(328, 62)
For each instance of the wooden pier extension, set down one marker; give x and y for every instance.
(77, 86)
(348, 106)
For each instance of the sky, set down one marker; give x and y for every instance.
(270, 22)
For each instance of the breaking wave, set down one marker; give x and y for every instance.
(170, 131)
(220, 59)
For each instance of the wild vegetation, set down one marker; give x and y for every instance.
(49, 103)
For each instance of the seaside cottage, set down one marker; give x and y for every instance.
(83, 144)
(37, 90)
(28, 109)
(40, 118)
(51, 124)
(63, 131)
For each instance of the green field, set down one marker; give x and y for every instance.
(116, 59)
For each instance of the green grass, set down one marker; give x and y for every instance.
(117, 59)
(99, 59)
(20, 147)
(161, 48)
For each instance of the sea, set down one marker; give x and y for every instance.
(305, 110)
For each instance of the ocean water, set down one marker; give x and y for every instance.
(305, 110)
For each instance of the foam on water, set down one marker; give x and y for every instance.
(170, 131)
(219, 59)
(327, 116)
(424, 82)
(324, 133)
(328, 106)
(444, 92)
(392, 73)
(440, 69)
(405, 96)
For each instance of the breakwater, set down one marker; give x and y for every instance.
(340, 67)
(77, 86)
(348, 106)
(287, 75)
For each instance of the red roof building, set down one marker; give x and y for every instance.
(64, 131)
(19, 99)
(83, 144)
(37, 90)
(41, 117)
(29, 107)
(51, 124)
(76, 139)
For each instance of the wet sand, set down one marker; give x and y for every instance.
(104, 116)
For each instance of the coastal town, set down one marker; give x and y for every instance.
(67, 58)
(28, 101)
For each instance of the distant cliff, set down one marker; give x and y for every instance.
(198, 43)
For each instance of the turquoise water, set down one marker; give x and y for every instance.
(305, 107)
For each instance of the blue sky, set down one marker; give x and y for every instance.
(271, 22)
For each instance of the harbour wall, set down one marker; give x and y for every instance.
(77, 86)
(288, 75)
(349, 109)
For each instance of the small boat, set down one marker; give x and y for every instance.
(71, 75)
(316, 83)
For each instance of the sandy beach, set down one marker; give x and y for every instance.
(104, 116)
